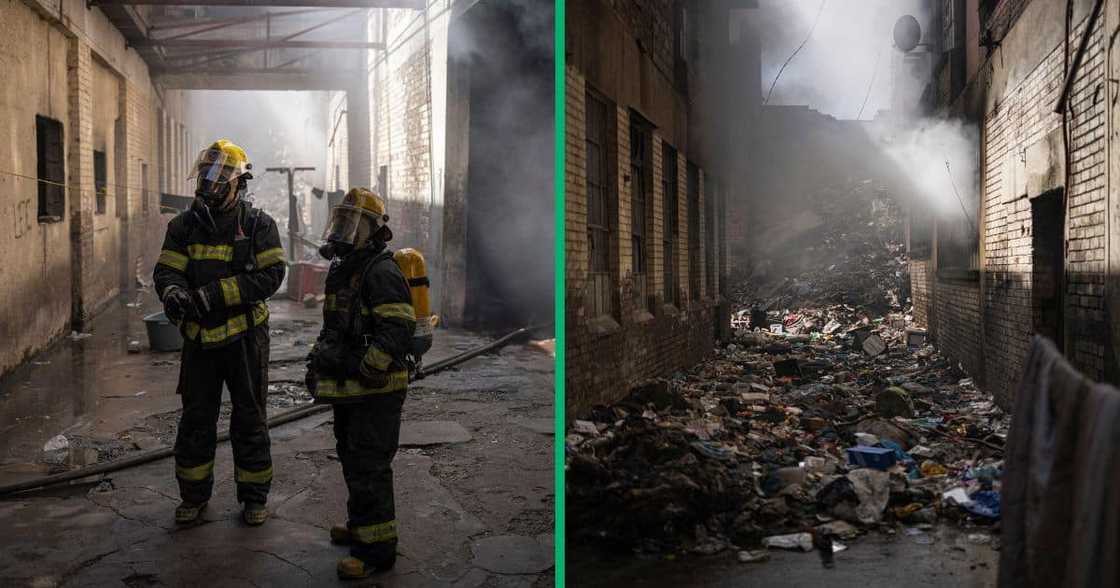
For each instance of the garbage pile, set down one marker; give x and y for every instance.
(829, 425)
(846, 247)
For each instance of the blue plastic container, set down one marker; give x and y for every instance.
(879, 458)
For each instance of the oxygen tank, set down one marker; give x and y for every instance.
(415, 271)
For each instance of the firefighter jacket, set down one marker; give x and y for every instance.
(236, 256)
(368, 323)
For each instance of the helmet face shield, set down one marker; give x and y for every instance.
(347, 225)
(216, 172)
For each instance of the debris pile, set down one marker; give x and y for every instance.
(846, 247)
(792, 439)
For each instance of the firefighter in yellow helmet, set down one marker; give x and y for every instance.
(358, 364)
(221, 260)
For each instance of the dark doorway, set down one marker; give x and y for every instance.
(507, 47)
(1048, 265)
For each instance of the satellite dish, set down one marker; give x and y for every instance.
(907, 33)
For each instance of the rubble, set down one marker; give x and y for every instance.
(828, 411)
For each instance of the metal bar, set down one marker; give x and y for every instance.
(225, 71)
(405, 4)
(1060, 107)
(209, 21)
(216, 57)
(346, 14)
(260, 44)
(295, 60)
(214, 27)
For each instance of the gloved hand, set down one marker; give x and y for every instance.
(368, 376)
(374, 378)
(311, 380)
(177, 304)
(206, 298)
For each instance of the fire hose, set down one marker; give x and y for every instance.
(280, 419)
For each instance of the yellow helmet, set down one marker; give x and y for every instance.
(217, 168)
(365, 199)
(346, 224)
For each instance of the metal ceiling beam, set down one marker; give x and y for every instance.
(259, 44)
(203, 22)
(256, 79)
(407, 4)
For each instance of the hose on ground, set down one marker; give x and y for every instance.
(280, 419)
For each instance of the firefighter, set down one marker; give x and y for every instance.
(221, 260)
(358, 364)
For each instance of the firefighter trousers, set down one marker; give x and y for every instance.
(242, 366)
(367, 434)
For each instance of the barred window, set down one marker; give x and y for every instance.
(641, 178)
(100, 180)
(51, 169)
(671, 232)
(693, 232)
(600, 285)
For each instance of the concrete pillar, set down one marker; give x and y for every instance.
(453, 255)
(358, 134)
(80, 182)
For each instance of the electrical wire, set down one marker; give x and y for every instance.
(795, 52)
(874, 74)
(960, 200)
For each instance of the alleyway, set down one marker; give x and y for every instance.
(825, 443)
(474, 474)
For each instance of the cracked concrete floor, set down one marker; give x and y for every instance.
(474, 509)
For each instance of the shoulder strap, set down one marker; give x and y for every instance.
(355, 306)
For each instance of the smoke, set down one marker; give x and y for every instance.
(507, 46)
(276, 129)
(940, 161)
(849, 68)
(850, 51)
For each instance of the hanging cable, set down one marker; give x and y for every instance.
(795, 52)
(874, 74)
(960, 200)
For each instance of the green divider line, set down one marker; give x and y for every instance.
(558, 174)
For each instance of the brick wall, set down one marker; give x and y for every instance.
(1020, 118)
(403, 129)
(59, 273)
(607, 355)
(921, 291)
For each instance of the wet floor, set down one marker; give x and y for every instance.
(107, 401)
(944, 557)
(473, 479)
(85, 383)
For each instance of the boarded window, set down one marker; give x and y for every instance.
(693, 232)
(51, 169)
(100, 180)
(599, 209)
(671, 233)
(641, 179)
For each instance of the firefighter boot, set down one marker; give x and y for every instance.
(187, 513)
(254, 514)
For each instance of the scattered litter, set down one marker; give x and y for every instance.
(57, 442)
(753, 556)
(76, 336)
(979, 539)
(828, 409)
(802, 541)
(134, 346)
